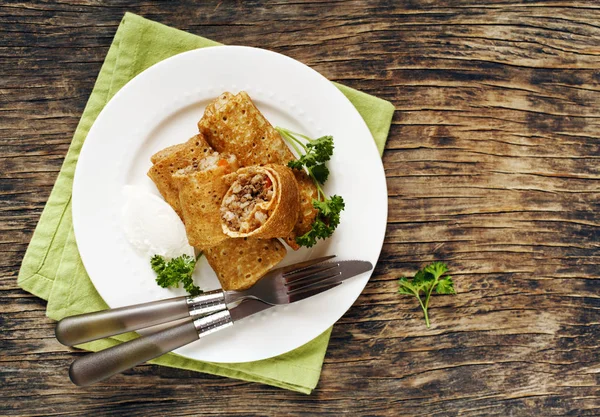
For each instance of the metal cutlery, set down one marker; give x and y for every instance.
(282, 286)
(271, 289)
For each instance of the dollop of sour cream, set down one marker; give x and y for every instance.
(151, 226)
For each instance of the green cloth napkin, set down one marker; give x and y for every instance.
(52, 268)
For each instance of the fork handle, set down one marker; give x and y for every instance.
(83, 328)
(98, 366)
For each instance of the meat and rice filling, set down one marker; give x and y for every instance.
(209, 163)
(242, 210)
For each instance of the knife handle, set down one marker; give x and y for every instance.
(98, 366)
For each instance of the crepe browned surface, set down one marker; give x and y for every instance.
(163, 153)
(216, 104)
(306, 216)
(234, 124)
(200, 196)
(239, 263)
(177, 157)
(282, 210)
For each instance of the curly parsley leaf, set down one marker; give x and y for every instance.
(328, 218)
(321, 149)
(177, 271)
(314, 153)
(406, 287)
(425, 282)
(295, 164)
(320, 173)
(437, 269)
(445, 286)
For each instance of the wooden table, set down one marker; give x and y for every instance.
(492, 164)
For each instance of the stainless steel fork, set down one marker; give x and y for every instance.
(280, 286)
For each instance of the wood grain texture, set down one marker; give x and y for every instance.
(492, 164)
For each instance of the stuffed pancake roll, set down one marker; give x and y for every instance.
(170, 160)
(232, 123)
(262, 202)
(239, 263)
(201, 188)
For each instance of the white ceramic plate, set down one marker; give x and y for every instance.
(161, 107)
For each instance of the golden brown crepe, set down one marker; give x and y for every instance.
(234, 124)
(262, 202)
(171, 160)
(239, 263)
(306, 216)
(169, 150)
(201, 190)
(217, 103)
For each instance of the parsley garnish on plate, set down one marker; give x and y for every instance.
(313, 154)
(177, 270)
(427, 281)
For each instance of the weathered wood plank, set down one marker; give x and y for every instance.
(492, 165)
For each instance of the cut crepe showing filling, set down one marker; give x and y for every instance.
(261, 202)
(201, 190)
(172, 159)
(239, 263)
(245, 208)
(210, 162)
(234, 124)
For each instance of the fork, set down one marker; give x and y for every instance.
(280, 286)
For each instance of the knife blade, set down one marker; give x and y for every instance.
(247, 308)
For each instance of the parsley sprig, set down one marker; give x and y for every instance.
(177, 270)
(313, 154)
(425, 282)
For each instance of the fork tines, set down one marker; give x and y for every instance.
(305, 293)
(312, 276)
(292, 269)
